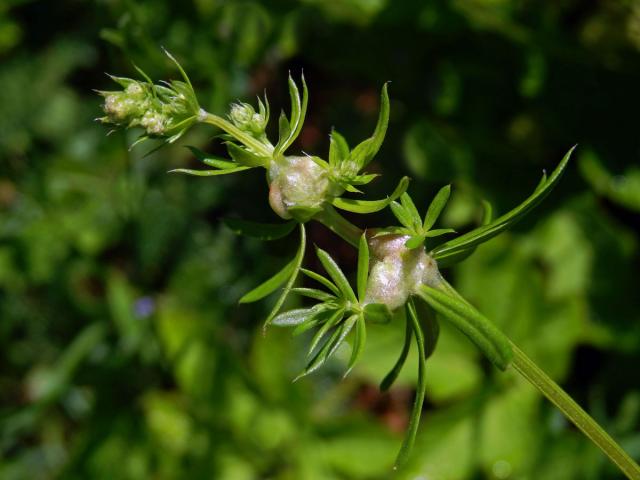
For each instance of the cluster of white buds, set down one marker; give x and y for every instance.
(397, 271)
(127, 107)
(167, 110)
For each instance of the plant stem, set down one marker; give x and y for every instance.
(570, 409)
(335, 222)
(581, 419)
(231, 129)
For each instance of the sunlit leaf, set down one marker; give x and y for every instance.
(338, 149)
(358, 343)
(403, 216)
(411, 210)
(269, 286)
(244, 157)
(370, 206)
(297, 263)
(414, 242)
(365, 151)
(320, 279)
(211, 161)
(314, 293)
(336, 275)
(209, 173)
(437, 205)
(481, 234)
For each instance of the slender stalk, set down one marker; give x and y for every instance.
(581, 419)
(570, 409)
(231, 129)
(342, 227)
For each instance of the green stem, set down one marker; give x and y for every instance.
(556, 395)
(335, 222)
(231, 129)
(581, 419)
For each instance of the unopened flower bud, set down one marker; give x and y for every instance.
(162, 110)
(247, 119)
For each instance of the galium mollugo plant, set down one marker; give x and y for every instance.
(397, 276)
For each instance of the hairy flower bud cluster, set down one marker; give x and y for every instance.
(247, 119)
(397, 271)
(161, 111)
(297, 182)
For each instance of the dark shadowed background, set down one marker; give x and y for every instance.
(123, 352)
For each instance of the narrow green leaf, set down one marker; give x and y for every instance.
(322, 280)
(292, 317)
(365, 151)
(363, 267)
(403, 216)
(338, 149)
(323, 354)
(370, 206)
(331, 322)
(263, 108)
(377, 313)
(314, 293)
(542, 182)
(414, 420)
(263, 231)
(364, 179)
(439, 231)
(211, 161)
(358, 344)
(290, 130)
(392, 231)
(410, 207)
(308, 325)
(336, 275)
(297, 263)
(182, 72)
(270, 285)
(482, 234)
(345, 328)
(350, 188)
(209, 173)
(437, 205)
(284, 129)
(481, 331)
(414, 242)
(391, 377)
(298, 316)
(244, 157)
(487, 212)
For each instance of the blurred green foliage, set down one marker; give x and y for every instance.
(123, 351)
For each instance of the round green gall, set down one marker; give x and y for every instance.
(297, 183)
